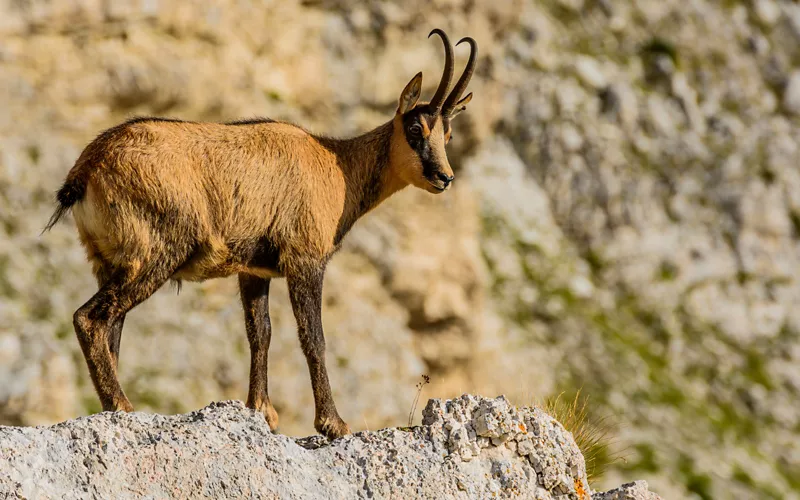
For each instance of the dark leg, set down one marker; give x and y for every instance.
(95, 323)
(103, 273)
(305, 291)
(114, 339)
(255, 301)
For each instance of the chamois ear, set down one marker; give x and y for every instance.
(410, 95)
(461, 106)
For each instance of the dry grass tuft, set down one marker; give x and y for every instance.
(593, 435)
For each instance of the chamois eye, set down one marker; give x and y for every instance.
(415, 129)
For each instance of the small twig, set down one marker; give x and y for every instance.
(425, 380)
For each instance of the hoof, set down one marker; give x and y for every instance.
(118, 404)
(266, 408)
(332, 428)
(272, 418)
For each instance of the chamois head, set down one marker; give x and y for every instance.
(422, 130)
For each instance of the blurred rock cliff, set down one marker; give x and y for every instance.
(625, 218)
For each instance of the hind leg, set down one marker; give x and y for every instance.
(114, 339)
(102, 272)
(98, 323)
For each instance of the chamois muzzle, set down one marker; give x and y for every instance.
(445, 179)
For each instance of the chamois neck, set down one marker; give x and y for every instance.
(365, 163)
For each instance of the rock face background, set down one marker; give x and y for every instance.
(625, 220)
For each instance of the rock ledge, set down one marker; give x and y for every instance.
(469, 447)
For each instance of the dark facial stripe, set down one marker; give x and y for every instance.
(420, 144)
(429, 169)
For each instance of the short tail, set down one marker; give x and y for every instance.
(70, 193)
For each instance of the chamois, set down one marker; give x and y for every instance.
(159, 199)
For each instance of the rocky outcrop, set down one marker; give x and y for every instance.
(470, 447)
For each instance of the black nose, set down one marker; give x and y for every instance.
(446, 179)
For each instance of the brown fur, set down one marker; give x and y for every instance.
(217, 187)
(156, 199)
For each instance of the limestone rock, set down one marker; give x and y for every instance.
(228, 451)
(628, 491)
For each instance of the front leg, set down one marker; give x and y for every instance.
(255, 301)
(305, 292)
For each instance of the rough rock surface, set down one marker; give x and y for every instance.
(470, 447)
(628, 491)
(625, 218)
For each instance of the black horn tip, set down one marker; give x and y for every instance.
(436, 31)
(469, 40)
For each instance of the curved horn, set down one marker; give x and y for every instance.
(462, 83)
(447, 75)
